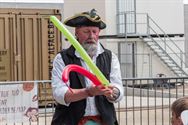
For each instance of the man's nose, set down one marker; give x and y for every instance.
(91, 34)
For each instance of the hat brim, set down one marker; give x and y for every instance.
(84, 20)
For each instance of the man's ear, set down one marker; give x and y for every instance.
(76, 33)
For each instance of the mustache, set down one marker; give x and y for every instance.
(90, 40)
(91, 48)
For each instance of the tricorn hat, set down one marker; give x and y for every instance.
(85, 19)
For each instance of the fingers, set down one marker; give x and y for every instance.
(110, 91)
(106, 90)
(115, 94)
(99, 90)
(111, 86)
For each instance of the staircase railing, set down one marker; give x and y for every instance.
(142, 25)
(166, 46)
(167, 38)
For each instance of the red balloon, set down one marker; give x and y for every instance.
(76, 68)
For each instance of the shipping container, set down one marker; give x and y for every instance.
(32, 42)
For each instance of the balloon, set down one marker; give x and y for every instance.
(81, 70)
(80, 50)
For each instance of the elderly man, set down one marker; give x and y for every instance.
(88, 104)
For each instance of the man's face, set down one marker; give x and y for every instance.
(89, 34)
(88, 38)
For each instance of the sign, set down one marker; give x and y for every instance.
(51, 46)
(4, 65)
(18, 103)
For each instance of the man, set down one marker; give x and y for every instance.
(88, 104)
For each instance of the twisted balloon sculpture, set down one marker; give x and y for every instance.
(72, 67)
(81, 70)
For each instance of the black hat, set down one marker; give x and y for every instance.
(85, 19)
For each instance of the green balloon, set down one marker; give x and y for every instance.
(80, 50)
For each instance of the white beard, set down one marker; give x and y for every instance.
(90, 48)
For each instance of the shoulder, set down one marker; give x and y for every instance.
(114, 55)
(57, 58)
(69, 51)
(110, 54)
(107, 51)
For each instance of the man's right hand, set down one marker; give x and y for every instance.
(98, 90)
(79, 94)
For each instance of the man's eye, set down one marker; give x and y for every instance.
(85, 31)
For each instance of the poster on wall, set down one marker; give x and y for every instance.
(18, 103)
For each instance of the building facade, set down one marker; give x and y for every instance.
(131, 24)
(152, 31)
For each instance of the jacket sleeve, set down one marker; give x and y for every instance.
(58, 86)
(115, 76)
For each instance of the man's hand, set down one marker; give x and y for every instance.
(111, 92)
(115, 93)
(98, 90)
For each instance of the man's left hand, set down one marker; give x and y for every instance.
(114, 93)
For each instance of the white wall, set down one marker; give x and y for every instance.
(168, 14)
(148, 63)
(186, 31)
(105, 8)
(110, 17)
(185, 1)
(72, 7)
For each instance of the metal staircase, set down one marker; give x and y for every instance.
(162, 45)
(164, 56)
(161, 51)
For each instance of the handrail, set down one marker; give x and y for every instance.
(166, 36)
(172, 59)
(168, 46)
(152, 78)
(150, 24)
(164, 33)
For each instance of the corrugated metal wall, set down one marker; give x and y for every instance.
(8, 38)
(32, 41)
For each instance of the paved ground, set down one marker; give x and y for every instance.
(156, 117)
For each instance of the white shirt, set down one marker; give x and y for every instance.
(59, 88)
